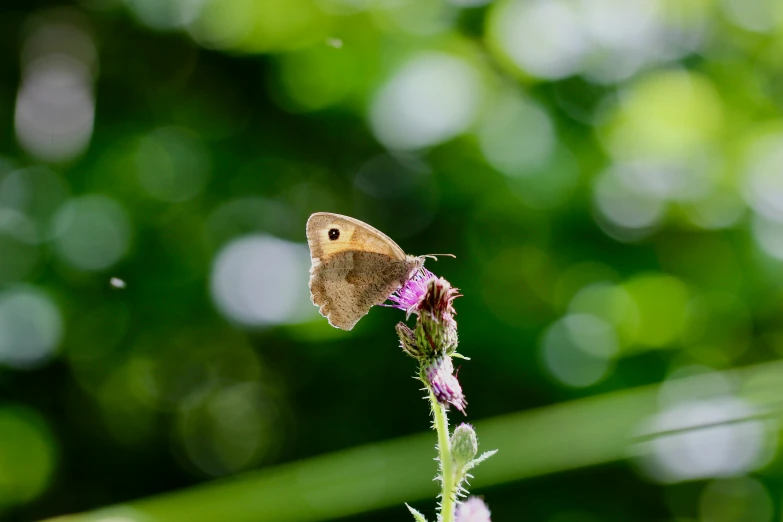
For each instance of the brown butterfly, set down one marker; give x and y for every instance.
(354, 267)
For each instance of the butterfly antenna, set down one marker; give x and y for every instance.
(435, 256)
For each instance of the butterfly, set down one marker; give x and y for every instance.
(354, 267)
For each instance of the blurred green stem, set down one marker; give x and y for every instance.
(447, 494)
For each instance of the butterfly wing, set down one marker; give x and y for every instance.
(351, 235)
(354, 267)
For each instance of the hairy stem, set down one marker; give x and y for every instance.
(447, 494)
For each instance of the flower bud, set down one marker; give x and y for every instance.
(464, 445)
(408, 341)
(437, 373)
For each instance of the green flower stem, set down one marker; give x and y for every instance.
(447, 494)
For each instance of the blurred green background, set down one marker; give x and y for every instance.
(609, 174)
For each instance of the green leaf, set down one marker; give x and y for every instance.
(418, 516)
(481, 458)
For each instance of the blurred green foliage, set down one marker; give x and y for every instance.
(609, 174)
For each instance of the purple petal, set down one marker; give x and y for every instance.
(409, 295)
(473, 510)
(444, 385)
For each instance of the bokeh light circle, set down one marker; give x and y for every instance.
(662, 302)
(578, 349)
(228, 430)
(724, 447)
(703, 430)
(625, 205)
(93, 232)
(763, 185)
(261, 280)
(613, 304)
(516, 136)
(431, 99)
(542, 37)
(55, 108)
(736, 499)
(30, 327)
(28, 455)
(667, 115)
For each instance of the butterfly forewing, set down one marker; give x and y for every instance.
(330, 233)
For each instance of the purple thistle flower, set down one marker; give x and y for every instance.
(409, 296)
(438, 301)
(434, 337)
(436, 329)
(438, 374)
(473, 510)
(431, 298)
